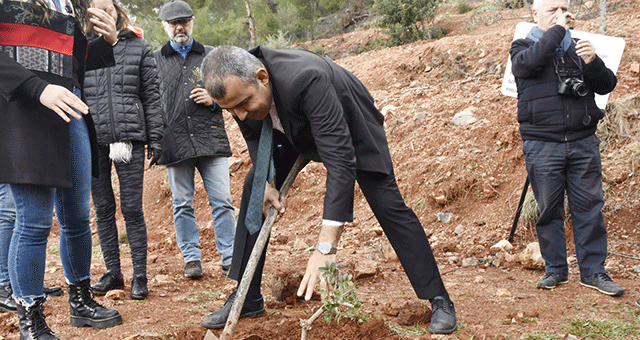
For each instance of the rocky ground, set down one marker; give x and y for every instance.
(474, 172)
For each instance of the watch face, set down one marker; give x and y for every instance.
(324, 248)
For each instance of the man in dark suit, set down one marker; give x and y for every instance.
(322, 111)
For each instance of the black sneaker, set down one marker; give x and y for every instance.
(551, 280)
(218, 319)
(7, 303)
(193, 270)
(443, 316)
(603, 283)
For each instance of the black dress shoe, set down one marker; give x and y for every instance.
(443, 316)
(139, 289)
(7, 303)
(219, 318)
(52, 291)
(108, 281)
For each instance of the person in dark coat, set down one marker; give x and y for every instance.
(557, 78)
(46, 139)
(323, 112)
(193, 138)
(125, 103)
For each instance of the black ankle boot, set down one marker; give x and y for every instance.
(139, 289)
(85, 311)
(7, 303)
(32, 324)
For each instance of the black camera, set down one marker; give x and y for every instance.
(573, 87)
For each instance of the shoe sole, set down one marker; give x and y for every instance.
(139, 297)
(103, 293)
(552, 287)
(255, 314)
(54, 291)
(77, 321)
(443, 331)
(618, 293)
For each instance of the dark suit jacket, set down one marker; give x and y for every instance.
(329, 116)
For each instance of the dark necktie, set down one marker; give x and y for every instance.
(263, 173)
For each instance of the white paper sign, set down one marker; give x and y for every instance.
(609, 49)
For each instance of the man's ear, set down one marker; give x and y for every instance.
(262, 76)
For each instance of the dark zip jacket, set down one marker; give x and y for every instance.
(543, 113)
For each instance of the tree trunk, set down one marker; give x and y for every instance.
(603, 16)
(252, 27)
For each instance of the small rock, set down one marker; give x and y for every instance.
(502, 292)
(470, 262)
(413, 314)
(634, 67)
(282, 239)
(530, 258)
(366, 268)
(162, 279)
(636, 269)
(419, 116)
(300, 245)
(115, 294)
(459, 229)
(444, 217)
(463, 118)
(235, 163)
(387, 109)
(210, 336)
(428, 69)
(377, 230)
(503, 245)
(442, 199)
(571, 337)
(479, 279)
(571, 259)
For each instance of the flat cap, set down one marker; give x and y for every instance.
(175, 10)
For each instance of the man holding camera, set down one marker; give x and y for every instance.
(556, 78)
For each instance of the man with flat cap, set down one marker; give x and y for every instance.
(194, 137)
(311, 106)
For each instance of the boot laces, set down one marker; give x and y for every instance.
(38, 324)
(86, 294)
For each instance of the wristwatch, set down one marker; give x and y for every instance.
(325, 248)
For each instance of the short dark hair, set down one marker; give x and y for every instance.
(226, 61)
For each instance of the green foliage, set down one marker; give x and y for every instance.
(341, 300)
(280, 40)
(464, 7)
(602, 329)
(409, 20)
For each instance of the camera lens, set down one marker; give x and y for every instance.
(580, 89)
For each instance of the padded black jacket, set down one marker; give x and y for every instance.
(543, 113)
(124, 99)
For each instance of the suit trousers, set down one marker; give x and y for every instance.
(398, 221)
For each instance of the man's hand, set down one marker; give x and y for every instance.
(313, 273)
(586, 51)
(565, 20)
(103, 24)
(63, 102)
(201, 96)
(272, 199)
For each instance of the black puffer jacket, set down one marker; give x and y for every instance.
(191, 130)
(124, 100)
(544, 114)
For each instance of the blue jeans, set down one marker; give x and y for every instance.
(215, 176)
(7, 219)
(574, 168)
(34, 213)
